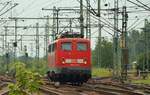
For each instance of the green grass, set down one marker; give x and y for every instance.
(101, 72)
(141, 81)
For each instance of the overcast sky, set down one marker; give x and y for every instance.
(33, 8)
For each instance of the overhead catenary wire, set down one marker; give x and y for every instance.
(94, 13)
(107, 32)
(9, 9)
(148, 3)
(135, 25)
(3, 23)
(29, 5)
(143, 4)
(146, 8)
(33, 8)
(104, 30)
(112, 27)
(95, 17)
(4, 6)
(138, 5)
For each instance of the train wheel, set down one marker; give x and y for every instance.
(80, 83)
(57, 84)
(48, 75)
(73, 83)
(53, 76)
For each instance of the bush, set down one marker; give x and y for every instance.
(27, 81)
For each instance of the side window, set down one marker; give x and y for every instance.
(81, 46)
(51, 47)
(66, 46)
(55, 46)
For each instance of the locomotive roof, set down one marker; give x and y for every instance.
(83, 39)
(70, 39)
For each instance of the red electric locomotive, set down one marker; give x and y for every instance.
(69, 60)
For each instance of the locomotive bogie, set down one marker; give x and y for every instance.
(70, 75)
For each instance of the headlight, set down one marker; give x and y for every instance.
(85, 61)
(63, 61)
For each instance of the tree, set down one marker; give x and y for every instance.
(134, 44)
(106, 54)
(139, 45)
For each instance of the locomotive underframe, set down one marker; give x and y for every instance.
(72, 75)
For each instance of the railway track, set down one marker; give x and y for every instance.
(99, 88)
(129, 88)
(4, 80)
(88, 89)
(106, 88)
(3, 88)
(4, 92)
(58, 91)
(111, 90)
